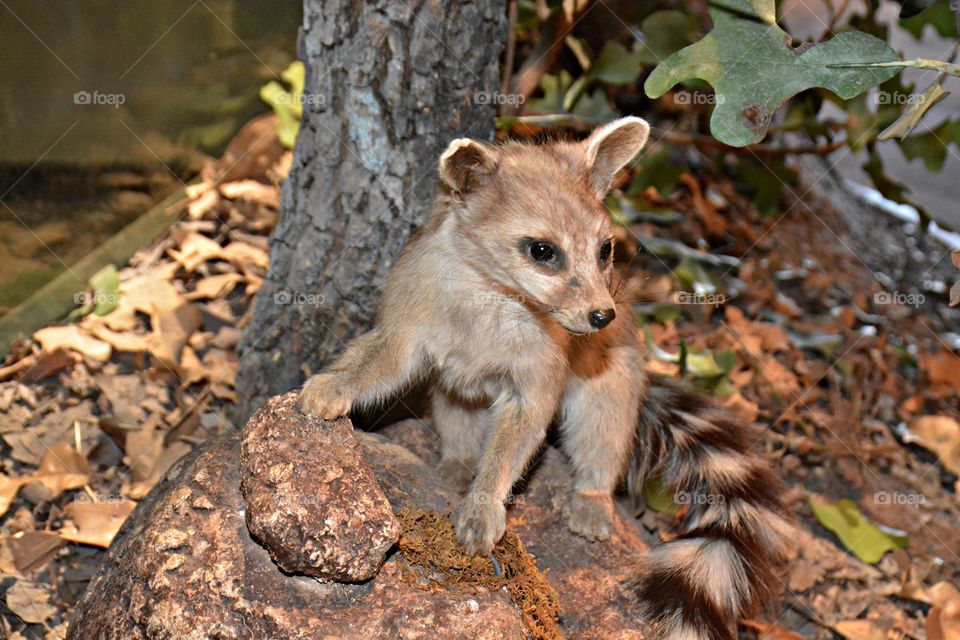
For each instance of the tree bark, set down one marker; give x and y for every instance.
(388, 85)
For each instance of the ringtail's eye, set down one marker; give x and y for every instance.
(606, 249)
(541, 251)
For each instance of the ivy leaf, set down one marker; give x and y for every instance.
(753, 68)
(918, 105)
(857, 534)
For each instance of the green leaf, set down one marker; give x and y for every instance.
(616, 65)
(665, 313)
(857, 534)
(703, 365)
(594, 107)
(910, 8)
(106, 290)
(658, 497)
(918, 105)
(105, 285)
(666, 32)
(753, 69)
(939, 15)
(826, 344)
(767, 180)
(887, 187)
(694, 277)
(932, 146)
(656, 171)
(288, 105)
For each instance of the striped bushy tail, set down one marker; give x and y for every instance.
(735, 529)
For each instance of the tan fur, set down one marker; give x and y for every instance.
(509, 339)
(513, 343)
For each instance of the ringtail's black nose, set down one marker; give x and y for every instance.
(599, 318)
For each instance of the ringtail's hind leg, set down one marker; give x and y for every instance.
(598, 417)
(462, 426)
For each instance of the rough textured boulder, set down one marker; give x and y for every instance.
(185, 566)
(311, 499)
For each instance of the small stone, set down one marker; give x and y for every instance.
(312, 501)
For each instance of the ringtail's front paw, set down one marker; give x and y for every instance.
(480, 521)
(591, 516)
(323, 397)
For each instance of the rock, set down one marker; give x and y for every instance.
(311, 499)
(185, 566)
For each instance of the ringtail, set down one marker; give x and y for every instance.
(505, 298)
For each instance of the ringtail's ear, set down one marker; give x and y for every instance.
(612, 146)
(467, 164)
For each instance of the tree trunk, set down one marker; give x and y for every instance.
(388, 85)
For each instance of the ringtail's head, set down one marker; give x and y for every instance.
(531, 217)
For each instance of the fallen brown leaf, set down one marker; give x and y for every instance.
(215, 286)
(241, 254)
(770, 631)
(31, 550)
(127, 341)
(195, 249)
(30, 601)
(860, 630)
(70, 336)
(942, 367)
(939, 434)
(95, 523)
(252, 191)
(171, 330)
